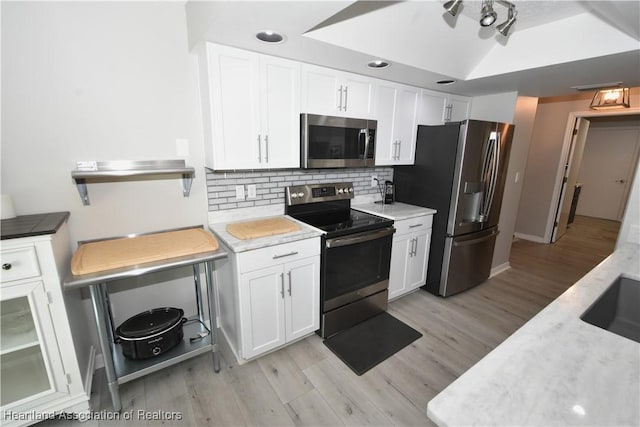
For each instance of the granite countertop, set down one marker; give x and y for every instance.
(32, 225)
(556, 369)
(396, 211)
(237, 245)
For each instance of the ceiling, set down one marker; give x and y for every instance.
(553, 45)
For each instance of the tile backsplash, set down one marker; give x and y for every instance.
(270, 185)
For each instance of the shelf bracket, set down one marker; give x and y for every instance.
(187, 180)
(82, 189)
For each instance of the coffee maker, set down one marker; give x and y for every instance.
(389, 193)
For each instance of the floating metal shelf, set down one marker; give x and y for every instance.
(122, 169)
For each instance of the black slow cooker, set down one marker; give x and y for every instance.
(151, 333)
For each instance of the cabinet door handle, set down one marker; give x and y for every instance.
(282, 285)
(415, 225)
(346, 97)
(399, 148)
(6, 266)
(259, 150)
(285, 255)
(414, 246)
(411, 249)
(340, 105)
(289, 274)
(266, 148)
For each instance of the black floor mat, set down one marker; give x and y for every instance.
(366, 344)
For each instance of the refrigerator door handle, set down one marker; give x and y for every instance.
(494, 173)
(486, 181)
(474, 241)
(490, 167)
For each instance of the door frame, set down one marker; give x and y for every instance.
(564, 159)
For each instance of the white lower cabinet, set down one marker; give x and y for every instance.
(40, 362)
(275, 294)
(409, 255)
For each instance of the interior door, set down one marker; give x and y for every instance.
(572, 168)
(606, 171)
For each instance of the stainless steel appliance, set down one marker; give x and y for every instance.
(355, 256)
(460, 171)
(389, 193)
(336, 142)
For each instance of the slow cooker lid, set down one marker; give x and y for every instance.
(150, 322)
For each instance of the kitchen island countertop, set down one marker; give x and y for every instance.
(556, 369)
(396, 211)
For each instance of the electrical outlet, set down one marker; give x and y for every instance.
(374, 180)
(251, 191)
(239, 192)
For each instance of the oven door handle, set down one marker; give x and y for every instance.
(360, 237)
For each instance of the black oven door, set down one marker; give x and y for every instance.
(355, 266)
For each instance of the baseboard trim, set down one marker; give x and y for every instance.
(531, 238)
(499, 269)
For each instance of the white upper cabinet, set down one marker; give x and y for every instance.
(335, 93)
(251, 105)
(459, 108)
(437, 108)
(396, 114)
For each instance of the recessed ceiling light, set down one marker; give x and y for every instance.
(269, 36)
(378, 63)
(446, 82)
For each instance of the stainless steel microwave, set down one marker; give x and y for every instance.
(336, 142)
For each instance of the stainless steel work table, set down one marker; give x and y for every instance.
(120, 370)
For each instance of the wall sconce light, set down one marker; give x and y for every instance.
(612, 98)
(487, 15)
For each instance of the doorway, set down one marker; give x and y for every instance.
(607, 164)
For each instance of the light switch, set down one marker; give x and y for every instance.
(239, 192)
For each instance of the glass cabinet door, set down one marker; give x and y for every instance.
(30, 365)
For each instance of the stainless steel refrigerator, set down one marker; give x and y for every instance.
(460, 171)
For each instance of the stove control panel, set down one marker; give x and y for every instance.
(313, 193)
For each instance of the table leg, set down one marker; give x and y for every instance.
(196, 280)
(208, 269)
(107, 304)
(100, 312)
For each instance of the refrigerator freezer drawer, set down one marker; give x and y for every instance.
(467, 261)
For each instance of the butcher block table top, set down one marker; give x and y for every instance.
(261, 228)
(117, 258)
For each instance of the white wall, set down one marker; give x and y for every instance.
(102, 81)
(499, 107)
(524, 117)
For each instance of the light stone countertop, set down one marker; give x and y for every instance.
(238, 245)
(556, 369)
(396, 211)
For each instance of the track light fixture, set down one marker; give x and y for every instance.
(452, 6)
(487, 15)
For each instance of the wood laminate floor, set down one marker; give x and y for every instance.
(305, 384)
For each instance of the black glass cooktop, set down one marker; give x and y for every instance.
(344, 222)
